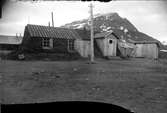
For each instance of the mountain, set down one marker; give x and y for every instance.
(164, 44)
(112, 22)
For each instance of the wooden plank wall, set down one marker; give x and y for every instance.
(82, 47)
(147, 50)
(101, 45)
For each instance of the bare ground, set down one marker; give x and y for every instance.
(136, 84)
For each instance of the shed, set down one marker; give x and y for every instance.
(55, 40)
(107, 43)
(9, 43)
(147, 49)
(112, 45)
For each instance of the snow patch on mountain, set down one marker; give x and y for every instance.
(129, 35)
(121, 27)
(164, 42)
(80, 25)
(108, 28)
(125, 30)
(136, 37)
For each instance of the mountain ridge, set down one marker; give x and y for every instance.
(112, 21)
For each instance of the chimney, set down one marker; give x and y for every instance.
(49, 23)
(52, 20)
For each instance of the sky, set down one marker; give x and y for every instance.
(147, 16)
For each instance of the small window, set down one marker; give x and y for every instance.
(71, 45)
(47, 43)
(110, 41)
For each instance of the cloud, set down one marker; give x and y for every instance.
(6, 27)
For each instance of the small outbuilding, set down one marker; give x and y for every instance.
(9, 43)
(107, 43)
(112, 45)
(147, 49)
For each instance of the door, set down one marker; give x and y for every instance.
(111, 47)
(139, 50)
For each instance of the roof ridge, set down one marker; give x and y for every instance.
(48, 26)
(55, 32)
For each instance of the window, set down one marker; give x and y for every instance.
(110, 41)
(71, 45)
(47, 43)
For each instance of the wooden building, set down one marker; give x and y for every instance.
(112, 45)
(55, 40)
(9, 43)
(82, 44)
(107, 43)
(64, 40)
(147, 49)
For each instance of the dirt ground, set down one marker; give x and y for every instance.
(136, 84)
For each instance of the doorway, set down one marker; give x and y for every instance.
(111, 49)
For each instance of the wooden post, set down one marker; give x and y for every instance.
(92, 34)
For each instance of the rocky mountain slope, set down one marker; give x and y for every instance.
(112, 22)
(164, 44)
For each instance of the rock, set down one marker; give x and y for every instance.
(57, 76)
(21, 56)
(102, 71)
(87, 79)
(157, 88)
(36, 73)
(75, 69)
(54, 77)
